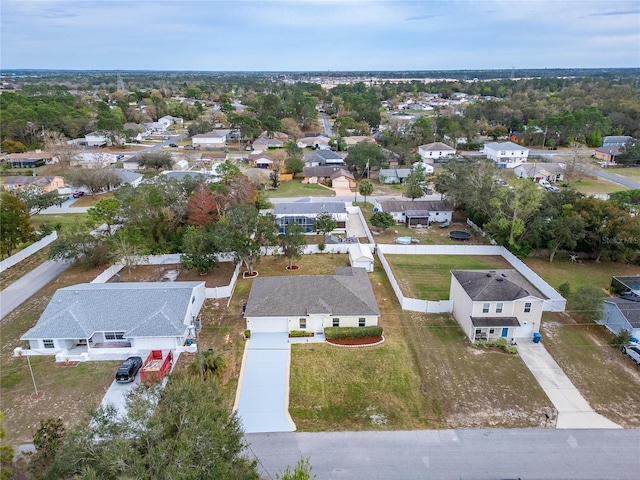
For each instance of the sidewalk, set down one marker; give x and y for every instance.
(573, 409)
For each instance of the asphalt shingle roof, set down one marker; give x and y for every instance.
(140, 309)
(348, 292)
(629, 308)
(307, 206)
(495, 285)
(395, 205)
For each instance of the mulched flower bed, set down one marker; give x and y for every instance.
(67, 364)
(355, 341)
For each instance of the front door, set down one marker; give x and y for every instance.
(318, 325)
(505, 332)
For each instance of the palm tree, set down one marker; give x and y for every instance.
(365, 188)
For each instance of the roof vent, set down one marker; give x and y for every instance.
(489, 275)
(499, 279)
(503, 275)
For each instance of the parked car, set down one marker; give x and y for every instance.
(173, 145)
(128, 370)
(633, 351)
(78, 194)
(119, 156)
(552, 188)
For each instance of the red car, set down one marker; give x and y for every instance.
(78, 194)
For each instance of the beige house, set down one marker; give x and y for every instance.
(493, 304)
(43, 184)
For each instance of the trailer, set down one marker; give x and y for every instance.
(156, 366)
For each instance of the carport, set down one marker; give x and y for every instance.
(416, 217)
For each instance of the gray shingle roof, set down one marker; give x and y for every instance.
(396, 205)
(325, 171)
(308, 206)
(323, 156)
(127, 176)
(437, 147)
(140, 309)
(629, 308)
(495, 285)
(348, 292)
(505, 146)
(495, 322)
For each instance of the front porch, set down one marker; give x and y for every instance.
(493, 328)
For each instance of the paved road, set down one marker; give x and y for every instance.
(619, 179)
(455, 454)
(327, 125)
(16, 293)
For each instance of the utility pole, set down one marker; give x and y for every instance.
(36, 394)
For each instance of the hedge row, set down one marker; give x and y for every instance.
(336, 333)
(300, 333)
(500, 343)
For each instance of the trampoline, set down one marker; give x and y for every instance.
(459, 235)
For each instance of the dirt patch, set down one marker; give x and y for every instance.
(218, 277)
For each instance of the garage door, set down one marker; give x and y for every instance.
(525, 331)
(268, 325)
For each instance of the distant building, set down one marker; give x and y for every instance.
(435, 151)
(506, 154)
(618, 140)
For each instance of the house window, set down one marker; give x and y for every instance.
(48, 343)
(478, 332)
(499, 307)
(114, 336)
(336, 322)
(492, 331)
(303, 324)
(527, 307)
(362, 322)
(485, 307)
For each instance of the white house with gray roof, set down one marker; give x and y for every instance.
(506, 154)
(94, 321)
(321, 158)
(493, 304)
(435, 151)
(312, 302)
(305, 211)
(413, 212)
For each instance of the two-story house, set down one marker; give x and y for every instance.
(435, 151)
(493, 304)
(506, 154)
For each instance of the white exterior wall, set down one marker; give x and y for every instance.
(158, 343)
(198, 296)
(210, 141)
(435, 154)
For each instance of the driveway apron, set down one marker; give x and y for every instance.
(573, 409)
(263, 399)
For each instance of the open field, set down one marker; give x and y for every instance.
(632, 173)
(89, 200)
(596, 185)
(67, 221)
(608, 379)
(579, 274)
(427, 277)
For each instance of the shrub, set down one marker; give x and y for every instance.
(336, 333)
(622, 339)
(382, 220)
(300, 333)
(247, 334)
(565, 289)
(500, 343)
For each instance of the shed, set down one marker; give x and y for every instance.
(361, 257)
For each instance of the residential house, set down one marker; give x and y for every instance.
(360, 256)
(506, 154)
(319, 142)
(31, 159)
(120, 319)
(131, 163)
(312, 302)
(281, 136)
(551, 172)
(390, 176)
(262, 144)
(336, 177)
(435, 151)
(96, 139)
(415, 212)
(261, 160)
(129, 177)
(608, 154)
(168, 120)
(305, 211)
(201, 175)
(213, 139)
(214, 157)
(517, 137)
(43, 184)
(155, 127)
(493, 304)
(618, 140)
(93, 160)
(321, 158)
(622, 314)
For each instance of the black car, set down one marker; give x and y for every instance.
(173, 145)
(128, 370)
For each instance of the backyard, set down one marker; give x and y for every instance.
(427, 277)
(295, 188)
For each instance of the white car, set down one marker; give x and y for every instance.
(633, 351)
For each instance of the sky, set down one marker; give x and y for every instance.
(326, 35)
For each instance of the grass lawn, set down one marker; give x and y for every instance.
(66, 220)
(295, 188)
(16, 272)
(427, 277)
(579, 274)
(597, 185)
(628, 172)
(608, 379)
(89, 200)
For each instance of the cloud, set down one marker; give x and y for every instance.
(608, 14)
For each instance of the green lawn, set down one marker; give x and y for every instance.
(628, 172)
(589, 186)
(66, 220)
(295, 188)
(427, 277)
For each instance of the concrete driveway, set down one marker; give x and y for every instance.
(262, 400)
(573, 409)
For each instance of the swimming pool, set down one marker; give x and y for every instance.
(403, 240)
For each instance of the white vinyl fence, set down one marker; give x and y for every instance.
(554, 303)
(27, 252)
